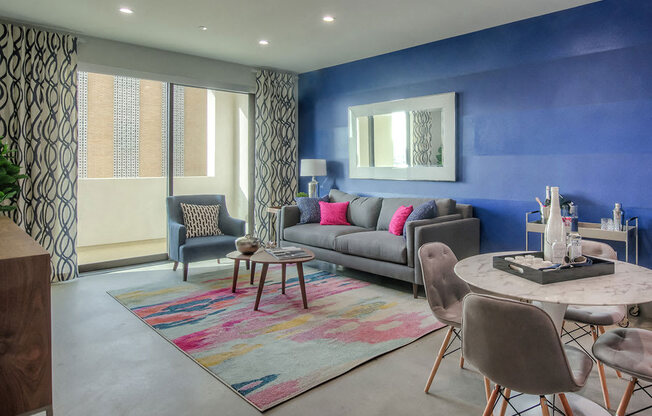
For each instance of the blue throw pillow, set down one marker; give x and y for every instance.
(309, 208)
(424, 211)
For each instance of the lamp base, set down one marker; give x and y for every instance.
(313, 188)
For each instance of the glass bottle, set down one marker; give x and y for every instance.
(554, 248)
(618, 217)
(574, 237)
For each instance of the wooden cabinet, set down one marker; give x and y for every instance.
(25, 342)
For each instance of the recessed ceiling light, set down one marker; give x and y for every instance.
(328, 19)
(126, 10)
(203, 28)
(263, 42)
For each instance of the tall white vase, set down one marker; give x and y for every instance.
(554, 248)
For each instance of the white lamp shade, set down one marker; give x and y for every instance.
(313, 167)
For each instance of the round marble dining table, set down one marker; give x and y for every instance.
(629, 285)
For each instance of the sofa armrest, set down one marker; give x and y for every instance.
(289, 216)
(232, 226)
(412, 249)
(177, 238)
(462, 236)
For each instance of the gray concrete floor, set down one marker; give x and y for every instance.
(107, 362)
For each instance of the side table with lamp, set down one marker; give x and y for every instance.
(313, 167)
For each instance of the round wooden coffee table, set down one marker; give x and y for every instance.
(237, 257)
(266, 259)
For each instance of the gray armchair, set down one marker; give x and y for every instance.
(185, 251)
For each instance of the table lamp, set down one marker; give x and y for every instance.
(313, 167)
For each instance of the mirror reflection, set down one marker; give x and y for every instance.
(400, 139)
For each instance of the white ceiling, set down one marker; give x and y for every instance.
(299, 40)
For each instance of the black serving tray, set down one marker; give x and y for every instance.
(598, 268)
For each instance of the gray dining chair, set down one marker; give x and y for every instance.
(517, 346)
(445, 292)
(628, 350)
(186, 250)
(595, 317)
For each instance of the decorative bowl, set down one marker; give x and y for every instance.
(247, 244)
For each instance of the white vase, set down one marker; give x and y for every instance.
(554, 248)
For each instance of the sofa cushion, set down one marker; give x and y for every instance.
(333, 213)
(422, 212)
(206, 248)
(363, 210)
(378, 245)
(319, 235)
(445, 206)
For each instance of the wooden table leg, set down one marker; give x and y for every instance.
(247, 261)
(303, 285)
(283, 269)
(261, 283)
(253, 272)
(236, 268)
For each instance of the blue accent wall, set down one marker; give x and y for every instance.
(562, 99)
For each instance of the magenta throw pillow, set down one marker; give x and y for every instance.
(398, 219)
(333, 213)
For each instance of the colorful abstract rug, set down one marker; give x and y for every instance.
(282, 350)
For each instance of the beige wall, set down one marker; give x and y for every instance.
(194, 134)
(150, 158)
(100, 126)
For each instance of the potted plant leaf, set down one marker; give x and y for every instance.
(9, 176)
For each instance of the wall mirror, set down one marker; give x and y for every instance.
(409, 139)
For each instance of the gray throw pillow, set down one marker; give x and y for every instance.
(309, 209)
(201, 220)
(424, 211)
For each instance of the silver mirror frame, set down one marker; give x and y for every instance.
(446, 102)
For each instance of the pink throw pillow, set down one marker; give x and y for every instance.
(333, 213)
(398, 219)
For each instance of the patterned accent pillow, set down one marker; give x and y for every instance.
(424, 211)
(201, 220)
(309, 208)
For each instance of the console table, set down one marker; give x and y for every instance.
(25, 346)
(591, 231)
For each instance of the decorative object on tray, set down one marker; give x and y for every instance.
(532, 266)
(287, 253)
(313, 167)
(247, 244)
(554, 248)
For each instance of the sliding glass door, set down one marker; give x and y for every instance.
(125, 140)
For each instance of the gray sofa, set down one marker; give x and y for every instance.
(367, 245)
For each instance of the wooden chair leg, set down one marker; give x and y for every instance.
(564, 403)
(603, 380)
(544, 406)
(487, 388)
(174, 267)
(440, 355)
(185, 272)
(415, 290)
(218, 261)
(461, 361)
(601, 329)
(624, 402)
(488, 410)
(503, 407)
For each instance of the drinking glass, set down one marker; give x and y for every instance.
(607, 224)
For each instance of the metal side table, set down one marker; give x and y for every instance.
(591, 231)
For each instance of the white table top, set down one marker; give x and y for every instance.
(629, 285)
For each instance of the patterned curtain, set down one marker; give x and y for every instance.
(276, 168)
(421, 133)
(38, 115)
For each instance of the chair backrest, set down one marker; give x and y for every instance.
(515, 345)
(443, 286)
(174, 205)
(598, 249)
